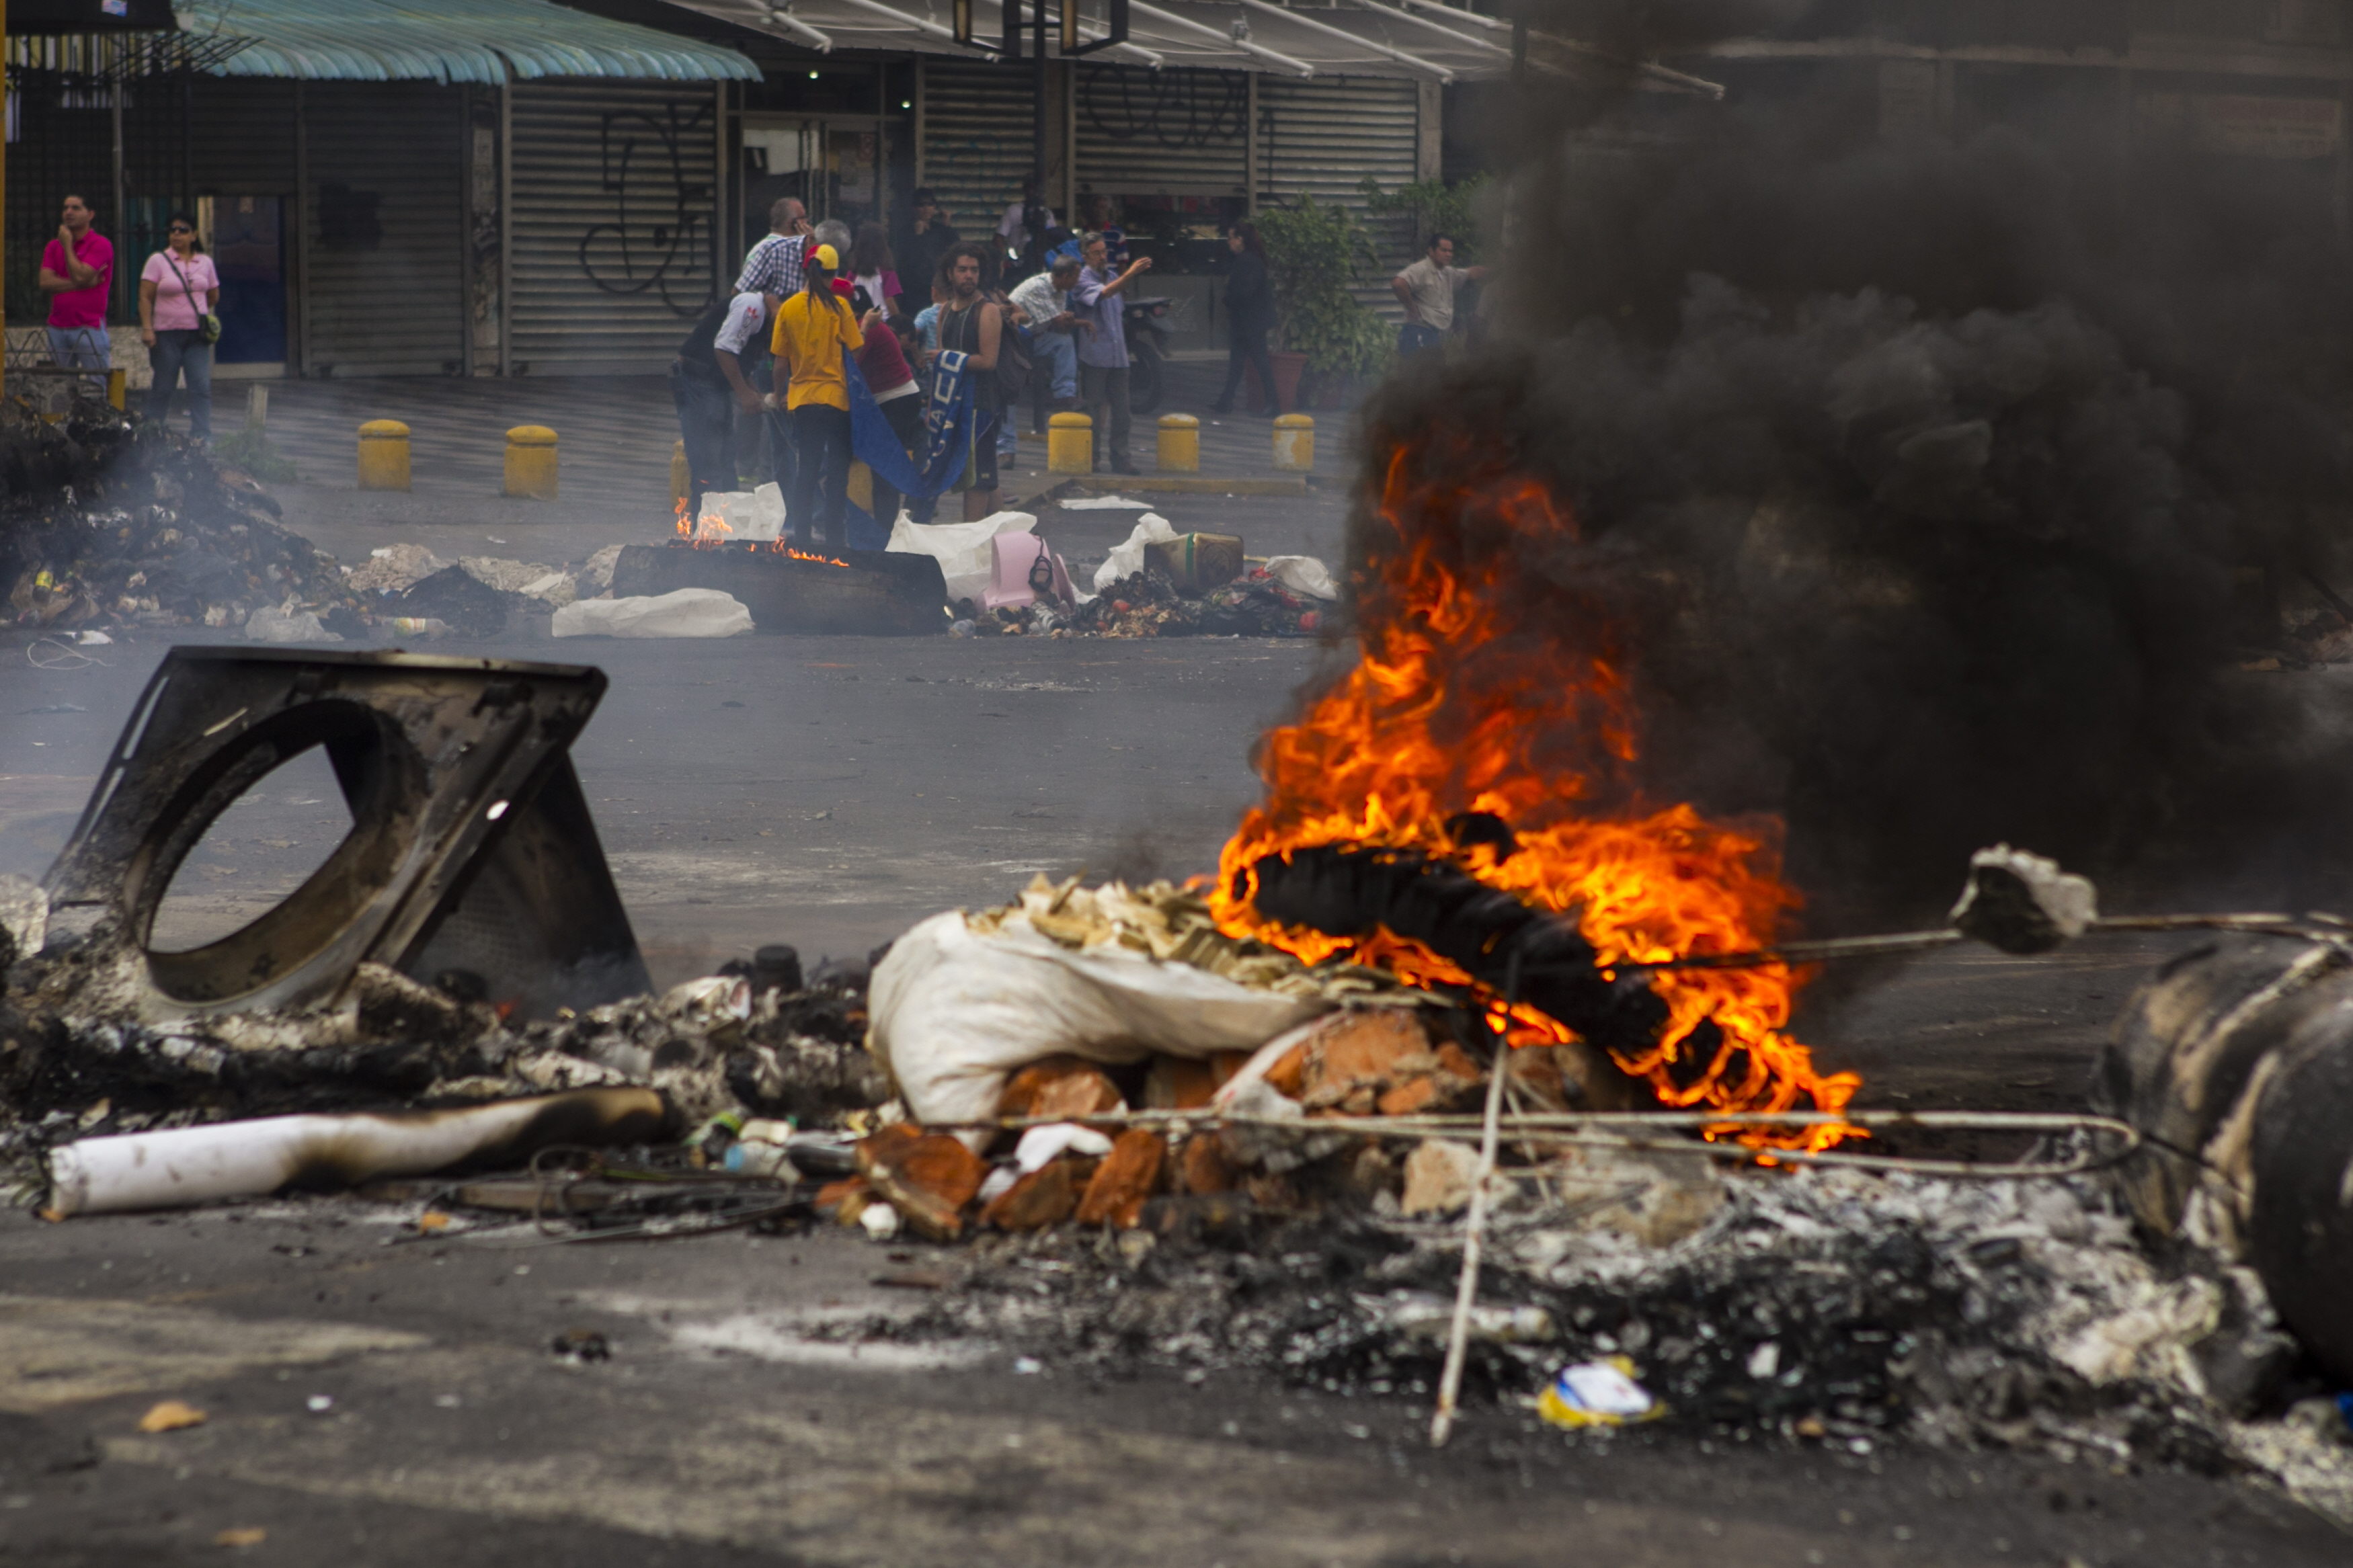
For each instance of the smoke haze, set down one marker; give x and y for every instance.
(1941, 487)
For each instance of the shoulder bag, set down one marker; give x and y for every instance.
(208, 323)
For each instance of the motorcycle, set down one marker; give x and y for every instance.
(1148, 329)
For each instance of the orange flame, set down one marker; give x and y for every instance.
(1472, 695)
(781, 548)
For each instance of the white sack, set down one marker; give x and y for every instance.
(1303, 574)
(951, 1013)
(1104, 503)
(962, 549)
(681, 613)
(1126, 558)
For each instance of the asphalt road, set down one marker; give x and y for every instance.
(828, 794)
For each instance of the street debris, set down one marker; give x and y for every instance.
(189, 1165)
(171, 1415)
(1598, 1394)
(114, 524)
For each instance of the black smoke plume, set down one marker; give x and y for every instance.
(1945, 486)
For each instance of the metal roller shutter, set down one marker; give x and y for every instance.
(612, 212)
(1177, 133)
(384, 221)
(977, 139)
(244, 140)
(1322, 136)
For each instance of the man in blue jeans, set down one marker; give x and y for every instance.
(709, 385)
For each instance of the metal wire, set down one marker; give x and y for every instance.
(1631, 1129)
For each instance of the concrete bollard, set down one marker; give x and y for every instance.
(384, 455)
(1180, 444)
(1294, 442)
(530, 462)
(1069, 444)
(681, 478)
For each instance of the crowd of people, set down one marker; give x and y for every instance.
(1036, 313)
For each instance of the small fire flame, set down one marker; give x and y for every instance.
(1472, 695)
(711, 531)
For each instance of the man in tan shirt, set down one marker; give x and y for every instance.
(1426, 289)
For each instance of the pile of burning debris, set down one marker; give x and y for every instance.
(111, 523)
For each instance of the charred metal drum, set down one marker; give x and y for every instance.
(2236, 1064)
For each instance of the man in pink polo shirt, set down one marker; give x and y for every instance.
(77, 272)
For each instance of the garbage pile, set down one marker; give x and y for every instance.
(111, 524)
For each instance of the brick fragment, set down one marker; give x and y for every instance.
(1045, 1196)
(1204, 1168)
(928, 1177)
(1124, 1181)
(1065, 1087)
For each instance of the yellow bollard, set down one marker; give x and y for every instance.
(530, 462)
(117, 385)
(681, 478)
(1294, 442)
(1069, 444)
(861, 491)
(384, 455)
(1180, 444)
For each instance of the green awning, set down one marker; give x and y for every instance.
(482, 41)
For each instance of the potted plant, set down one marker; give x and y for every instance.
(1312, 251)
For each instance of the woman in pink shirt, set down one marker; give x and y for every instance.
(177, 289)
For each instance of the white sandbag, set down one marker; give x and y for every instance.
(1303, 574)
(963, 549)
(1126, 558)
(681, 613)
(951, 1013)
(270, 623)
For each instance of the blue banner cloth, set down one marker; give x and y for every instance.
(947, 430)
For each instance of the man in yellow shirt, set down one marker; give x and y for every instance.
(815, 332)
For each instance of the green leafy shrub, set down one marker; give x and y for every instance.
(1436, 207)
(1313, 252)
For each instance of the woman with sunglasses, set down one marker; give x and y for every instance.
(179, 296)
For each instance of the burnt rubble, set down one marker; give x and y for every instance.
(108, 522)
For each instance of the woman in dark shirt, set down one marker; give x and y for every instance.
(1250, 313)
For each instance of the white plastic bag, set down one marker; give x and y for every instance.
(1126, 558)
(681, 613)
(951, 1013)
(1303, 574)
(963, 550)
(272, 623)
(755, 514)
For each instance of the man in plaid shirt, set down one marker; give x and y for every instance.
(773, 266)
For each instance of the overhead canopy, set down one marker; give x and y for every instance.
(1424, 39)
(483, 41)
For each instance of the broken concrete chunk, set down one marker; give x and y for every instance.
(1438, 1177)
(1126, 1179)
(2023, 903)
